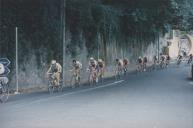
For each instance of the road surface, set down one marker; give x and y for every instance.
(159, 99)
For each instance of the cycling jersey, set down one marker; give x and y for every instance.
(168, 58)
(120, 63)
(125, 62)
(55, 68)
(93, 64)
(145, 59)
(162, 58)
(101, 64)
(139, 61)
(77, 65)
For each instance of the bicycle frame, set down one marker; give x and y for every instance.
(75, 78)
(93, 76)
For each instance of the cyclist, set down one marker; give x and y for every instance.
(144, 63)
(162, 62)
(167, 60)
(179, 59)
(92, 70)
(125, 65)
(118, 66)
(54, 72)
(100, 68)
(155, 59)
(190, 59)
(140, 64)
(77, 66)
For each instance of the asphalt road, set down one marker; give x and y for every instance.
(159, 99)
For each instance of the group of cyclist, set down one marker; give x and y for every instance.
(96, 68)
(141, 64)
(180, 58)
(164, 61)
(121, 66)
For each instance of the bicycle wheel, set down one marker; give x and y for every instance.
(125, 71)
(50, 88)
(100, 79)
(73, 82)
(4, 93)
(60, 88)
(118, 76)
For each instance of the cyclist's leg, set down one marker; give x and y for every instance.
(141, 67)
(57, 78)
(78, 75)
(96, 76)
(90, 77)
(53, 79)
(71, 79)
(137, 67)
(101, 73)
(144, 68)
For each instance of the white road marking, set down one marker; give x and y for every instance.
(191, 83)
(71, 93)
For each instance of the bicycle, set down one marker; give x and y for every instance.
(4, 89)
(75, 80)
(118, 72)
(52, 84)
(167, 63)
(139, 68)
(179, 62)
(93, 78)
(144, 67)
(162, 64)
(100, 74)
(125, 70)
(154, 66)
(189, 61)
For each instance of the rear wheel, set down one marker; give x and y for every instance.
(118, 75)
(125, 71)
(50, 88)
(60, 88)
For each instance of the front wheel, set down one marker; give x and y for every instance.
(178, 62)
(4, 93)
(50, 88)
(60, 88)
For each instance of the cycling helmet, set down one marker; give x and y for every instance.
(100, 60)
(53, 61)
(91, 59)
(74, 61)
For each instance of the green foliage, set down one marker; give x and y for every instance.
(126, 21)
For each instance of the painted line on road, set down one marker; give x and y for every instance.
(71, 93)
(191, 83)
